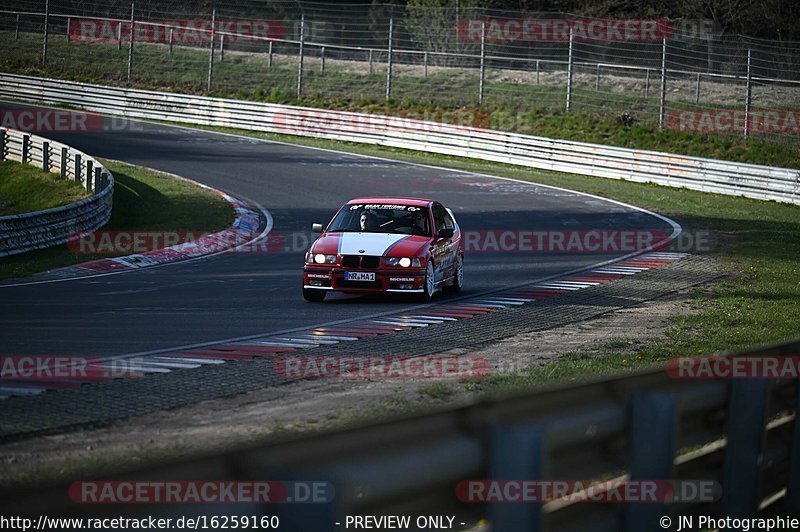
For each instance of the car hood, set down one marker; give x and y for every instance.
(379, 244)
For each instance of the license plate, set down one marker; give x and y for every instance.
(359, 276)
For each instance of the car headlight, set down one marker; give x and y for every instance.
(320, 258)
(405, 262)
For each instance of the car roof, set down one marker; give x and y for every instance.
(416, 202)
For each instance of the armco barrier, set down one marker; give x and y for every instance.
(35, 230)
(696, 173)
(741, 433)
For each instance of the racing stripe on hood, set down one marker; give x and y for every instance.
(370, 243)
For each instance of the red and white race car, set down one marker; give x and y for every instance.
(404, 245)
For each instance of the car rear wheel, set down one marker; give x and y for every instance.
(458, 276)
(430, 282)
(315, 296)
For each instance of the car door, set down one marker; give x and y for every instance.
(444, 258)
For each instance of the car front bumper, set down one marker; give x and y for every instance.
(407, 280)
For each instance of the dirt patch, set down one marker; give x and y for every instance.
(313, 405)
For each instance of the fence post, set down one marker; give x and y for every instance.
(119, 36)
(78, 170)
(98, 178)
(425, 61)
(300, 59)
(130, 43)
(749, 96)
(64, 162)
(697, 90)
(537, 71)
(516, 453)
(647, 83)
(597, 78)
(389, 61)
(69, 23)
(89, 174)
(269, 56)
(211, 49)
(652, 452)
(45, 156)
(3, 139)
(370, 60)
(221, 48)
(662, 97)
(747, 419)
(171, 39)
(322, 60)
(569, 71)
(16, 29)
(46, 24)
(26, 148)
(483, 63)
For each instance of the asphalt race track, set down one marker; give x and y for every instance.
(240, 294)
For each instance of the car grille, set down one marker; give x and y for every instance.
(357, 261)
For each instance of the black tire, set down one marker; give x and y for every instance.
(429, 287)
(315, 296)
(458, 276)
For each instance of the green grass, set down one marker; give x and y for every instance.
(143, 201)
(604, 116)
(24, 188)
(758, 247)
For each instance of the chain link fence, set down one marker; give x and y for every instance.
(431, 61)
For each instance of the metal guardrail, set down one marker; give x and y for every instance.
(36, 230)
(696, 173)
(740, 433)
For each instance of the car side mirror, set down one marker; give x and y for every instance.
(317, 228)
(445, 233)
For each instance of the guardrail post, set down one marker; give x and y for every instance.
(300, 58)
(652, 452)
(26, 148)
(747, 418)
(89, 174)
(16, 29)
(64, 162)
(3, 143)
(322, 60)
(389, 61)
(748, 96)
(570, 65)
(130, 44)
(171, 39)
(697, 90)
(662, 97)
(98, 178)
(211, 49)
(370, 61)
(516, 453)
(269, 56)
(793, 488)
(78, 169)
(46, 156)
(44, 36)
(483, 63)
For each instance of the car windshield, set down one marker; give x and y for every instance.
(382, 218)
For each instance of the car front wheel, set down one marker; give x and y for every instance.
(315, 296)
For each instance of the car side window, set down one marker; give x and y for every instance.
(439, 217)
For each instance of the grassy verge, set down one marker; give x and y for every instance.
(24, 188)
(143, 201)
(759, 303)
(619, 118)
